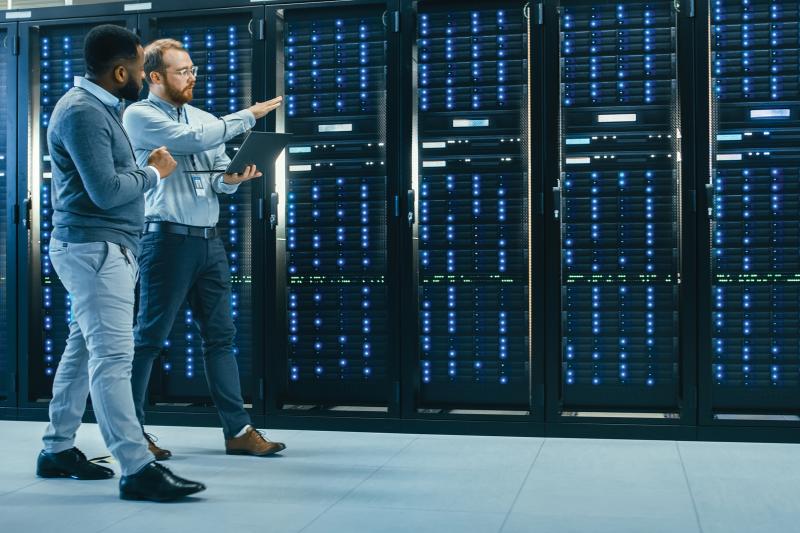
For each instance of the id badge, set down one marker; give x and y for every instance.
(199, 188)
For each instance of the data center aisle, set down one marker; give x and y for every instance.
(368, 482)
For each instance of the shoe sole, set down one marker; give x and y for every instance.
(140, 498)
(63, 475)
(245, 452)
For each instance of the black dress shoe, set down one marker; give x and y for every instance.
(156, 483)
(70, 463)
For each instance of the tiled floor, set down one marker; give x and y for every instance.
(367, 482)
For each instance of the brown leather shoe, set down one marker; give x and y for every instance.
(252, 442)
(160, 453)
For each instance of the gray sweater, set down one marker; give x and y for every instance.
(98, 190)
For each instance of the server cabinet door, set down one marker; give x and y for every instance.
(225, 46)
(334, 306)
(753, 194)
(618, 206)
(8, 193)
(52, 55)
(471, 206)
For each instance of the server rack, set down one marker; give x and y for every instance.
(53, 56)
(226, 45)
(753, 354)
(470, 211)
(334, 341)
(620, 204)
(8, 192)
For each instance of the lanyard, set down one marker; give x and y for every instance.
(192, 159)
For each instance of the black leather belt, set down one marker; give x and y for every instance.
(180, 229)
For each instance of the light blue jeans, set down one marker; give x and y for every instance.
(100, 278)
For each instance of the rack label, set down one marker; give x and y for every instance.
(299, 149)
(143, 6)
(617, 117)
(438, 144)
(16, 15)
(470, 123)
(770, 113)
(434, 164)
(299, 168)
(729, 157)
(332, 128)
(578, 160)
(581, 140)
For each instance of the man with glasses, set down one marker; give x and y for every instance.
(183, 258)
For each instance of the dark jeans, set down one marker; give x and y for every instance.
(174, 269)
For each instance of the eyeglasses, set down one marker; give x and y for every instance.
(184, 72)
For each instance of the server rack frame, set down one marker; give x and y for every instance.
(28, 253)
(622, 423)
(146, 23)
(277, 405)
(532, 420)
(753, 425)
(10, 47)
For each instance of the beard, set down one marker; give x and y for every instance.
(131, 90)
(179, 96)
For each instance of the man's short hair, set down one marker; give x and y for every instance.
(106, 45)
(154, 54)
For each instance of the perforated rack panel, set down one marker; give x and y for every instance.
(7, 361)
(473, 262)
(336, 298)
(58, 61)
(755, 234)
(620, 210)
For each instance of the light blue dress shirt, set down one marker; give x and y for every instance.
(196, 139)
(104, 96)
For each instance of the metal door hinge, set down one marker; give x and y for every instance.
(557, 200)
(273, 210)
(262, 30)
(685, 6)
(391, 20)
(538, 12)
(25, 216)
(412, 208)
(260, 209)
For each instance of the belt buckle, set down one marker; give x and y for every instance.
(208, 233)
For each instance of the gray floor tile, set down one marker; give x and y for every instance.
(576, 522)
(468, 452)
(333, 447)
(743, 486)
(616, 479)
(450, 490)
(286, 482)
(218, 515)
(64, 505)
(345, 519)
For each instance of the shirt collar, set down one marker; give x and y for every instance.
(104, 96)
(163, 104)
